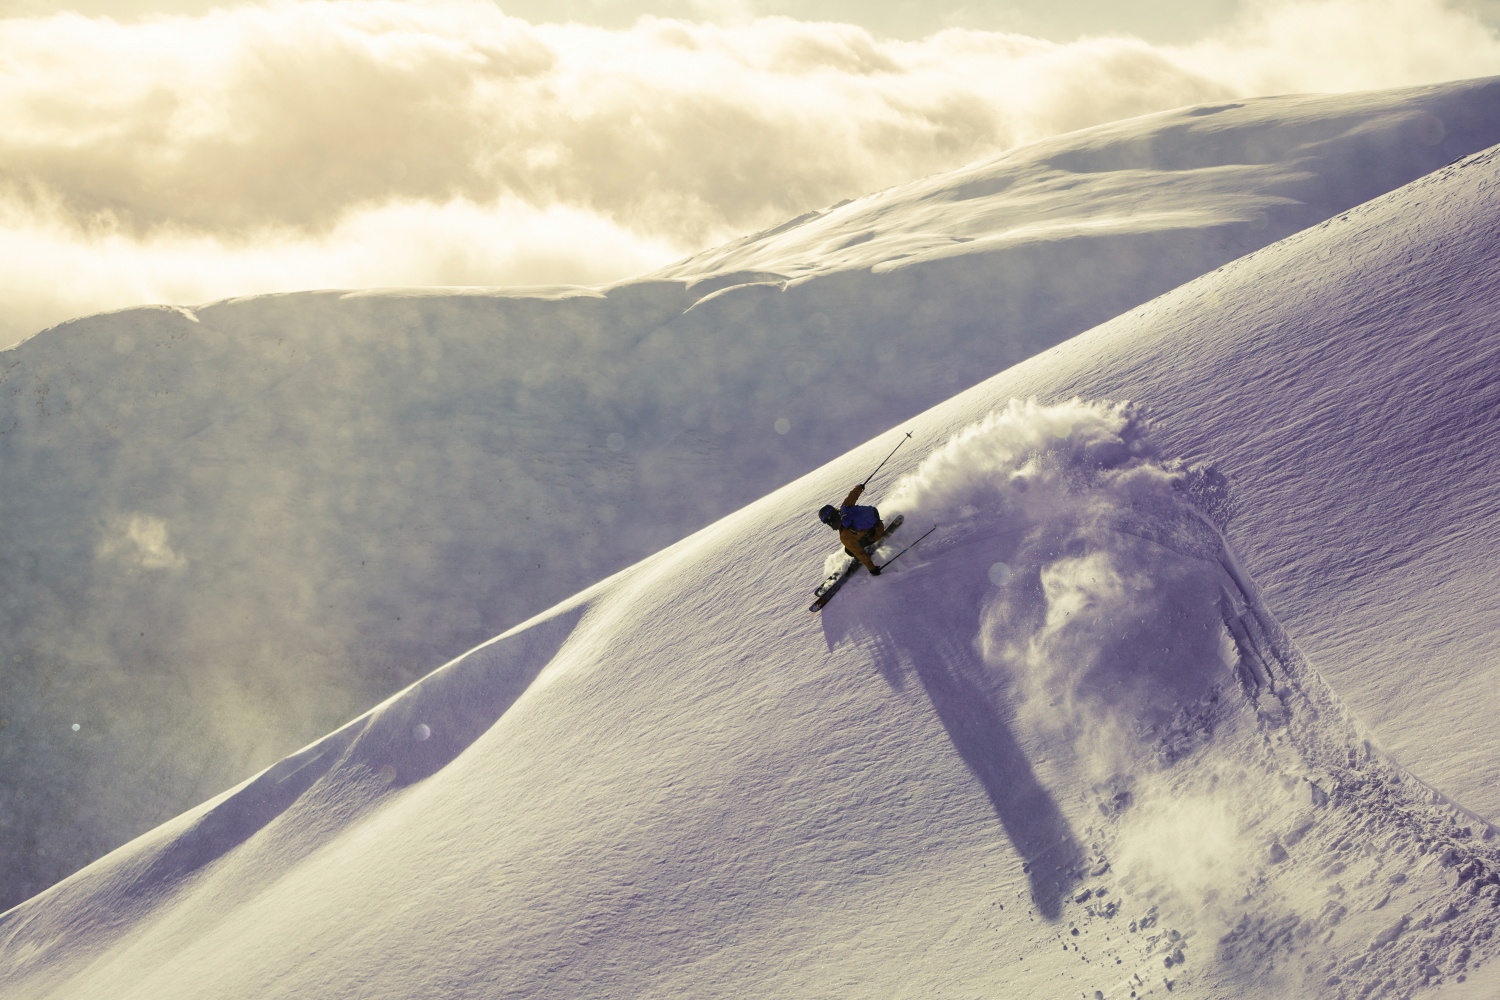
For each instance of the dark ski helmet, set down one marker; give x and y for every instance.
(829, 515)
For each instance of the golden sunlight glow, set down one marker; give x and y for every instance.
(368, 142)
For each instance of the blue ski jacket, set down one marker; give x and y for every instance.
(859, 526)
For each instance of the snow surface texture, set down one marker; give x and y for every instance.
(1104, 770)
(229, 528)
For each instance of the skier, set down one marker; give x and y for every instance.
(857, 526)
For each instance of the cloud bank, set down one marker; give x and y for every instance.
(374, 143)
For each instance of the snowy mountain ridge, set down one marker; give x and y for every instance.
(1267, 163)
(1090, 738)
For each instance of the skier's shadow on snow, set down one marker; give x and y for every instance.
(932, 641)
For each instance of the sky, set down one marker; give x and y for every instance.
(1062, 20)
(1058, 20)
(161, 153)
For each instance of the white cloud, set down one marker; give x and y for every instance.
(140, 541)
(1283, 46)
(55, 269)
(371, 142)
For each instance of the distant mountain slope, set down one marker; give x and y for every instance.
(226, 529)
(1228, 173)
(1080, 740)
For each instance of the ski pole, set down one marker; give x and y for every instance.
(903, 552)
(888, 458)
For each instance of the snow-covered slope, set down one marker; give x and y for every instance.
(1077, 742)
(227, 529)
(1227, 174)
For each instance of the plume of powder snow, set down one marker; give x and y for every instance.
(1189, 844)
(1105, 626)
(1107, 617)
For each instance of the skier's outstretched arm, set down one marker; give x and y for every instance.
(853, 497)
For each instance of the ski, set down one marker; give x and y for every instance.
(832, 584)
